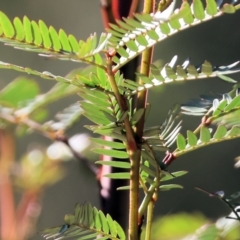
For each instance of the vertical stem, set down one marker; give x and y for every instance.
(145, 68)
(149, 220)
(134, 155)
(141, 103)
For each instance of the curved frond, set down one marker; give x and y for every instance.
(86, 223)
(37, 37)
(205, 138)
(172, 73)
(45, 74)
(133, 36)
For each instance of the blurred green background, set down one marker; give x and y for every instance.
(211, 168)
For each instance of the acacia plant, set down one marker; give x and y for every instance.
(118, 107)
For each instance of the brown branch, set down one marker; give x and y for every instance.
(133, 8)
(107, 13)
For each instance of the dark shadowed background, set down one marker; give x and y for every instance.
(211, 168)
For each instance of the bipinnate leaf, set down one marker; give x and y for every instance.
(172, 72)
(86, 223)
(207, 137)
(45, 74)
(37, 37)
(132, 36)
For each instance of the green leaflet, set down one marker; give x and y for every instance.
(207, 68)
(64, 41)
(55, 39)
(132, 46)
(103, 221)
(235, 131)
(205, 135)
(191, 138)
(198, 9)
(20, 35)
(6, 25)
(226, 78)
(117, 164)
(123, 175)
(228, 8)
(219, 107)
(111, 144)
(142, 40)
(173, 175)
(93, 99)
(234, 103)
(73, 43)
(169, 187)
(45, 34)
(112, 225)
(120, 231)
(181, 142)
(111, 153)
(211, 7)
(37, 34)
(28, 30)
(89, 107)
(220, 132)
(100, 120)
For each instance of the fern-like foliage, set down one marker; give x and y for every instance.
(133, 36)
(37, 37)
(172, 73)
(86, 223)
(205, 138)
